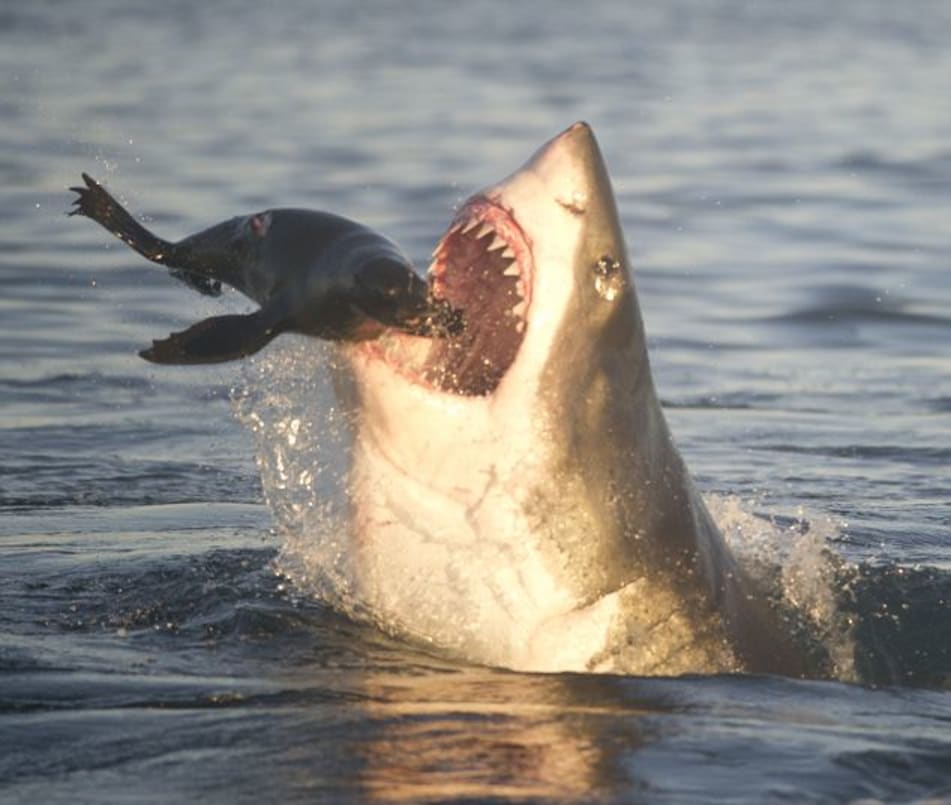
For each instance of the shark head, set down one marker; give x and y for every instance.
(538, 265)
(516, 475)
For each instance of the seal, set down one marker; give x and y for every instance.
(311, 272)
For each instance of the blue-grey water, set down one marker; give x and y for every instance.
(783, 172)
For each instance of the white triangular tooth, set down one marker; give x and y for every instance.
(511, 270)
(520, 308)
(497, 243)
(520, 325)
(470, 225)
(509, 252)
(487, 229)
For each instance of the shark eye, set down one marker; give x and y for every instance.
(608, 277)
(259, 224)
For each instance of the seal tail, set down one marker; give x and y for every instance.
(95, 202)
(214, 340)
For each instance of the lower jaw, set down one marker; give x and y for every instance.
(421, 362)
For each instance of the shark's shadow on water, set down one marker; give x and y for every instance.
(515, 495)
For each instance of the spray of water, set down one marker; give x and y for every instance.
(792, 557)
(303, 442)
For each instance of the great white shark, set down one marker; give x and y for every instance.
(515, 495)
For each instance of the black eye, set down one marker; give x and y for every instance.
(608, 277)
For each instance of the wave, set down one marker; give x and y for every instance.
(854, 304)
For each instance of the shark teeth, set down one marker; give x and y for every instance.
(473, 253)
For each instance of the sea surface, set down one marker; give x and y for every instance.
(783, 172)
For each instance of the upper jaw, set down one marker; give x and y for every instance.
(483, 267)
(484, 227)
(510, 261)
(544, 202)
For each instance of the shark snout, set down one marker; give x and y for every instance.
(569, 164)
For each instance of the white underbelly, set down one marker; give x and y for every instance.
(467, 575)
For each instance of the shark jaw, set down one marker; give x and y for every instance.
(515, 495)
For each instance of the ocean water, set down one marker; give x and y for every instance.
(783, 173)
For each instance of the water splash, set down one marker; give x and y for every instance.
(303, 446)
(792, 557)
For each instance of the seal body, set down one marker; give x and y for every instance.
(311, 272)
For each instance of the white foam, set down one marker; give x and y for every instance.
(795, 561)
(288, 404)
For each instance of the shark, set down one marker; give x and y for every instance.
(516, 493)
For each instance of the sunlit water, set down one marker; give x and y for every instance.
(784, 178)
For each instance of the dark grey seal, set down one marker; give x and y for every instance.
(311, 272)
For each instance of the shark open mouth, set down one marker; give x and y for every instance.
(482, 266)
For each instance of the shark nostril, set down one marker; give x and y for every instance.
(575, 202)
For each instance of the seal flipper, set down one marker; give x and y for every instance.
(95, 202)
(215, 340)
